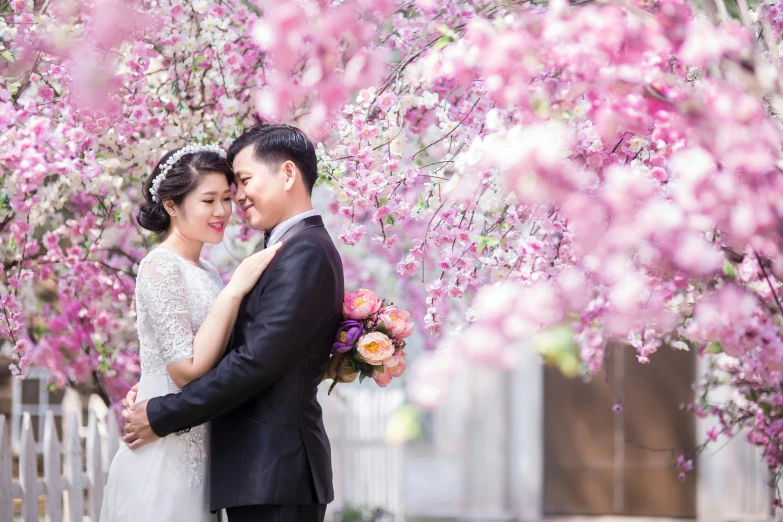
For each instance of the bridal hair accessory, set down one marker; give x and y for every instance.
(188, 149)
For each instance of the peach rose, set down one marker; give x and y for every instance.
(396, 321)
(395, 365)
(375, 348)
(383, 378)
(360, 304)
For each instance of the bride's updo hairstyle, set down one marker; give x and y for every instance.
(180, 180)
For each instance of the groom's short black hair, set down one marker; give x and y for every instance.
(275, 143)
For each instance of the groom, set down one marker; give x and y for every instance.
(270, 456)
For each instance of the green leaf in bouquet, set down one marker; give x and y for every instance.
(715, 347)
(381, 328)
(334, 383)
(362, 376)
(360, 364)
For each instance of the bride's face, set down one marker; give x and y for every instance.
(204, 212)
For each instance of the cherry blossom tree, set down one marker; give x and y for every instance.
(551, 175)
(589, 173)
(91, 95)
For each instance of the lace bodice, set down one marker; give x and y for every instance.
(173, 297)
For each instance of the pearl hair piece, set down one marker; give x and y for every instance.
(188, 149)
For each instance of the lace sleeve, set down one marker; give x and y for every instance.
(161, 291)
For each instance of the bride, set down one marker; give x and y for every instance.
(185, 316)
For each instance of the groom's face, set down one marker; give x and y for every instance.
(261, 190)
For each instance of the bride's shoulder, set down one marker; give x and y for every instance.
(159, 254)
(159, 260)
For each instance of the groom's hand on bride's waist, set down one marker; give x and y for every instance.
(138, 431)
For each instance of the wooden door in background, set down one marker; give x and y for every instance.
(599, 463)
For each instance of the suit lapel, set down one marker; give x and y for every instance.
(312, 221)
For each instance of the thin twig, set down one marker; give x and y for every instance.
(771, 288)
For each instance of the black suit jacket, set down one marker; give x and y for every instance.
(268, 443)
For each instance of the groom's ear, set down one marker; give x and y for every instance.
(290, 172)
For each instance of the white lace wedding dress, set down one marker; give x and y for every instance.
(167, 480)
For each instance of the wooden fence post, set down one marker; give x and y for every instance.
(53, 479)
(94, 469)
(6, 495)
(28, 471)
(112, 437)
(73, 471)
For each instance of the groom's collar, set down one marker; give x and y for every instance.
(295, 225)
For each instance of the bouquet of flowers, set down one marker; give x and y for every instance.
(370, 341)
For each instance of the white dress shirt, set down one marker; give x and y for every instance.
(283, 227)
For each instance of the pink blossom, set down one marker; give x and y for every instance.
(46, 92)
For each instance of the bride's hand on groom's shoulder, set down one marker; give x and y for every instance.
(247, 273)
(137, 429)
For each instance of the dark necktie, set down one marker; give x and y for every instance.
(266, 237)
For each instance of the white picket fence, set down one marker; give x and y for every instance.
(371, 471)
(63, 488)
(69, 470)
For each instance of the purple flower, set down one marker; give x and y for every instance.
(347, 335)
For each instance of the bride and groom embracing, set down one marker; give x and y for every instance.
(225, 415)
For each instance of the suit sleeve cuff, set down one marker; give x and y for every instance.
(155, 417)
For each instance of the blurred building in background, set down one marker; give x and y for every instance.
(532, 444)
